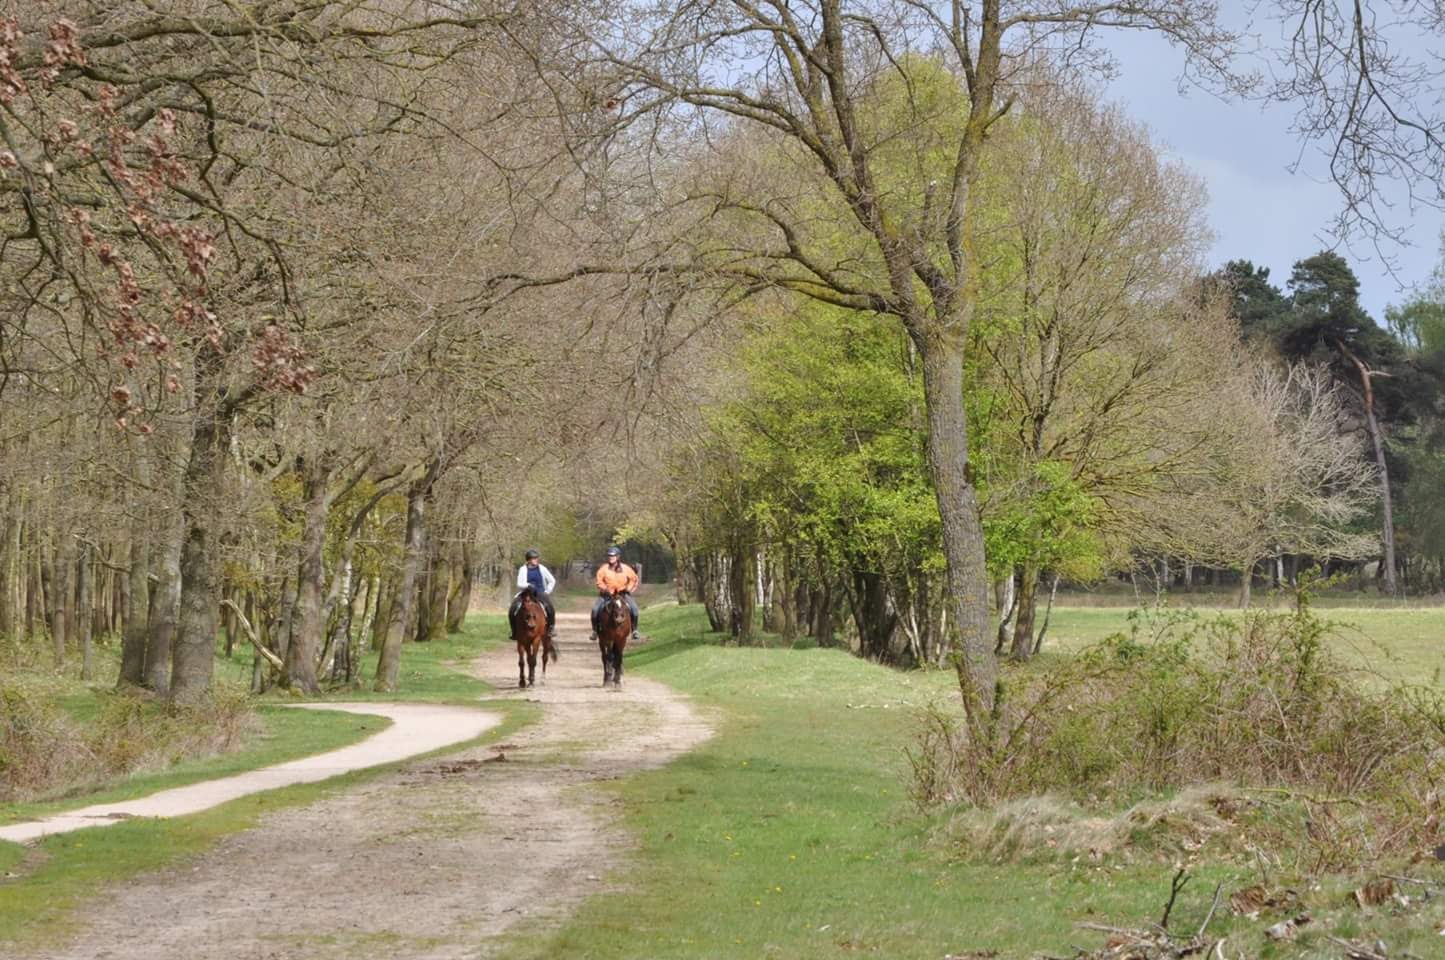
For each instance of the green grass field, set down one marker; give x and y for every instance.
(790, 835)
(1401, 642)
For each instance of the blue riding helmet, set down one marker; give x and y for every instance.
(614, 552)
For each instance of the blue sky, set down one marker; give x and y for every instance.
(1258, 210)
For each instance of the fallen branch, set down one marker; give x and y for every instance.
(1177, 884)
(1210, 915)
(267, 655)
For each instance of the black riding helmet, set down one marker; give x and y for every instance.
(532, 554)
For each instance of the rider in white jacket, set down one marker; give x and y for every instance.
(540, 580)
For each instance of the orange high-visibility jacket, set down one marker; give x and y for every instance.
(615, 581)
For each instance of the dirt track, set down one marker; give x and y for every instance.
(432, 861)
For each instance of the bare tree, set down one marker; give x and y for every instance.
(1289, 479)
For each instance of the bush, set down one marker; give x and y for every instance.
(39, 743)
(1258, 704)
(46, 752)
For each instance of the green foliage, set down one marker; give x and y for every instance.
(1052, 526)
(828, 443)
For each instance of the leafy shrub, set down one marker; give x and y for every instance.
(1258, 704)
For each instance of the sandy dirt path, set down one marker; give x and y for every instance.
(416, 728)
(431, 861)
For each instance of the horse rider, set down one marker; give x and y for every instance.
(532, 575)
(614, 577)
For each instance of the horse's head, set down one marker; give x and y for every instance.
(531, 612)
(616, 612)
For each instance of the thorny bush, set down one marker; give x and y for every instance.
(1337, 770)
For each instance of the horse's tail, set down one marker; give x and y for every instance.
(549, 648)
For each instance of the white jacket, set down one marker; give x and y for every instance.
(548, 581)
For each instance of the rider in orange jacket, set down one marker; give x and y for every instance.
(615, 577)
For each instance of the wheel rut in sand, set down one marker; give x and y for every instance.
(432, 860)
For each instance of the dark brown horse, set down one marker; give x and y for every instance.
(530, 633)
(614, 626)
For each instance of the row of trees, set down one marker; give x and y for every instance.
(408, 211)
(268, 360)
(886, 211)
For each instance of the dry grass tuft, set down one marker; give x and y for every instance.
(1050, 826)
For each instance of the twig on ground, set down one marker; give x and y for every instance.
(1177, 884)
(1391, 876)
(1210, 915)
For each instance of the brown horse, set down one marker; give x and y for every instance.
(530, 634)
(614, 626)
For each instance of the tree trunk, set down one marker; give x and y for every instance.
(874, 615)
(137, 592)
(1048, 612)
(1008, 605)
(193, 657)
(716, 581)
(339, 641)
(439, 588)
(788, 597)
(1023, 639)
(61, 591)
(962, 528)
(83, 621)
(1377, 440)
(460, 600)
(165, 608)
(1246, 584)
(741, 593)
(384, 591)
(35, 591)
(388, 664)
(301, 654)
(230, 626)
(821, 617)
(9, 567)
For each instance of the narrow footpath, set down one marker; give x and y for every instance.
(433, 860)
(416, 728)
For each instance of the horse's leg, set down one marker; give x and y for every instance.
(521, 667)
(606, 663)
(617, 665)
(532, 665)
